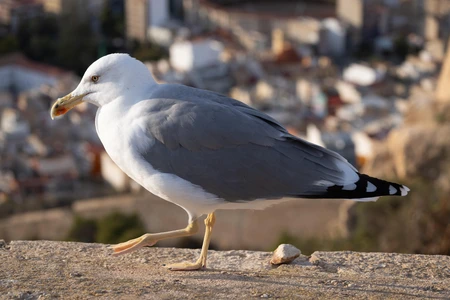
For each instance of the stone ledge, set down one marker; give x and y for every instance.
(46, 270)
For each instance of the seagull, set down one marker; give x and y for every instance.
(204, 151)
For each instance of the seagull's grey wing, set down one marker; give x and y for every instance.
(238, 153)
(235, 152)
(190, 94)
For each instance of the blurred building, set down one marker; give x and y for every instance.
(367, 20)
(190, 55)
(136, 18)
(436, 19)
(30, 145)
(81, 9)
(13, 12)
(351, 13)
(20, 74)
(252, 22)
(332, 38)
(143, 15)
(442, 88)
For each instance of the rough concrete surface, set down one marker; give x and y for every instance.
(46, 270)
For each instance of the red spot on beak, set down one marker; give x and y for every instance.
(61, 111)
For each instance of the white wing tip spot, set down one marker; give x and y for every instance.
(392, 190)
(404, 190)
(370, 187)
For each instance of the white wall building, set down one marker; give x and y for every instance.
(158, 12)
(332, 38)
(12, 123)
(188, 55)
(150, 19)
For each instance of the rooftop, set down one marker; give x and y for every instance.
(20, 3)
(18, 59)
(275, 9)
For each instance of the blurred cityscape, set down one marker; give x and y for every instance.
(368, 79)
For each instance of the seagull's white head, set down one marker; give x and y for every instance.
(107, 79)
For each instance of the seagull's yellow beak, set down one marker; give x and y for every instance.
(64, 104)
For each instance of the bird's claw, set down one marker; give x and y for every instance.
(133, 245)
(185, 266)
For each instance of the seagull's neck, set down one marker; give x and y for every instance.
(131, 97)
(120, 105)
(111, 113)
(117, 107)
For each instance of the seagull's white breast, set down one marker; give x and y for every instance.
(124, 138)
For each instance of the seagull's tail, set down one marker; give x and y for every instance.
(366, 188)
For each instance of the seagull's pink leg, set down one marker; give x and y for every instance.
(149, 239)
(201, 261)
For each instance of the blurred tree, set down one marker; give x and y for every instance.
(418, 223)
(71, 44)
(401, 47)
(36, 38)
(111, 229)
(117, 227)
(112, 23)
(112, 28)
(64, 42)
(76, 47)
(148, 51)
(364, 51)
(42, 48)
(83, 230)
(8, 44)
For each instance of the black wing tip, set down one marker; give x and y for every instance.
(365, 187)
(383, 187)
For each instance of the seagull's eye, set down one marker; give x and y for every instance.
(95, 78)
